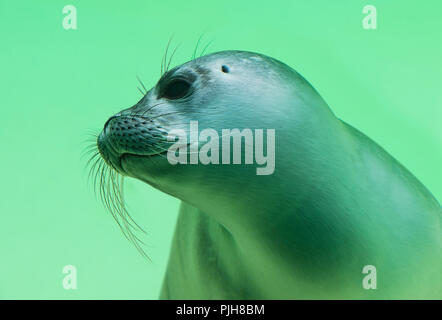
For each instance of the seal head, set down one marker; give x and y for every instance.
(229, 89)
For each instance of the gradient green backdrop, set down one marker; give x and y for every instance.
(57, 85)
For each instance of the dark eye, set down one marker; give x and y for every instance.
(176, 89)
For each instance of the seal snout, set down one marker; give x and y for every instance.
(108, 153)
(126, 134)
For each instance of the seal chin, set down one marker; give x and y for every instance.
(128, 160)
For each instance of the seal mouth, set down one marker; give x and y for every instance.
(125, 158)
(111, 157)
(163, 154)
(126, 155)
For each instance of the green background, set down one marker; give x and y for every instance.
(57, 85)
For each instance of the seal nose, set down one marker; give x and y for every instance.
(132, 134)
(108, 153)
(109, 120)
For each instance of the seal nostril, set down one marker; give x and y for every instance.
(225, 68)
(107, 122)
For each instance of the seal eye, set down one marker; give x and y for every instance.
(225, 68)
(176, 89)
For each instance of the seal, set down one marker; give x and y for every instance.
(335, 203)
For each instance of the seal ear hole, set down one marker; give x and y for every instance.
(225, 68)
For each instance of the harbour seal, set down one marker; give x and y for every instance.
(336, 201)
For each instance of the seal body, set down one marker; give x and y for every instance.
(335, 203)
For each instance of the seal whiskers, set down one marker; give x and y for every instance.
(110, 185)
